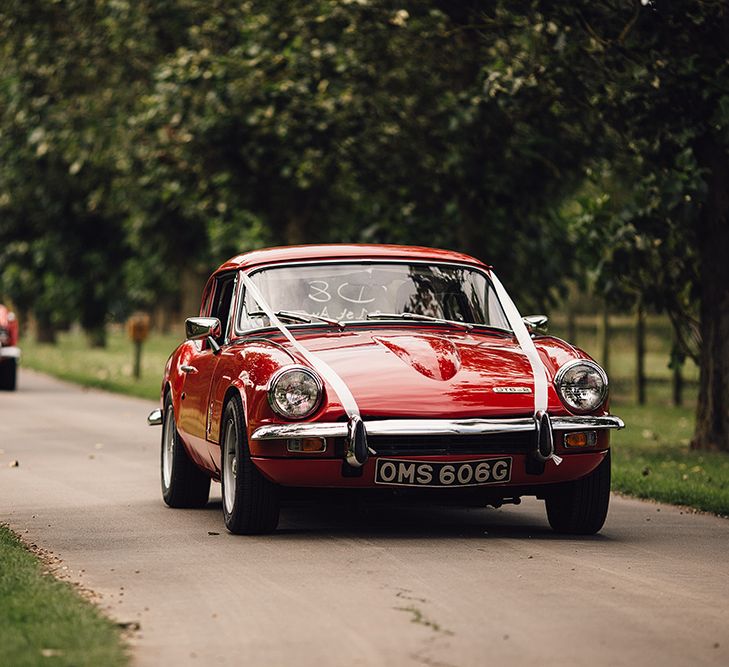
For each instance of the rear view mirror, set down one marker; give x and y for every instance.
(198, 328)
(536, 324)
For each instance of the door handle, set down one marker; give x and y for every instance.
(188, 369)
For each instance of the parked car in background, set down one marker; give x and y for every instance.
(9, 350)
(379, 369)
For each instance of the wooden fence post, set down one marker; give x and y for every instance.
(603, 335)
(571, 325)
(677, 360)
(138, 331)
(572, 297)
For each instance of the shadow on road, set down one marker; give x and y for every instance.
(398, 520)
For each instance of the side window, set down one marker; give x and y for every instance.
(224, 288)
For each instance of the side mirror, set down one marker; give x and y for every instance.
(536, 324)
(198, 328)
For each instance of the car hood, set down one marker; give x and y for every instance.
(411, 373)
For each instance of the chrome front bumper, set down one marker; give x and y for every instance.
(394, 427)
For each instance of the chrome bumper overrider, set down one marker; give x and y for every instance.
(424, 427)
(155, 417)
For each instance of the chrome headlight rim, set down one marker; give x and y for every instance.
(276, 377)
(569, 366)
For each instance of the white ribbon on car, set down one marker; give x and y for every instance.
(527, 345)
(322, 367)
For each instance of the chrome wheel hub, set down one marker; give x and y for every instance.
(230, 467)
(168, 448)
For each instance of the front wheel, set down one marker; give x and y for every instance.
(250, 501)
(580, 507)
(8, 374)
(183, 483)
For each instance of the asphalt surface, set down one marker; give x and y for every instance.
(342, 585)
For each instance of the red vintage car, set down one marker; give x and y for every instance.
(385, 369)
(9, 350)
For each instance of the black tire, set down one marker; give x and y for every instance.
(250, 501)
(8, 374)
(184, 485)
(580, 507)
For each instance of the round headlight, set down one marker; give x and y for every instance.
(295, 392)
(582, 385)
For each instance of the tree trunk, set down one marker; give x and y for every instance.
(292, 221)
(96, 336)
(712, 414)
(23, 316)
(164, 315)
(192, 284)
(677, 376)
(640, 354)
(45, 332)
(296, 230)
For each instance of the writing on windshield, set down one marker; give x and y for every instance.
(355, 292)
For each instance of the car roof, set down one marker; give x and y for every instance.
(301, 253)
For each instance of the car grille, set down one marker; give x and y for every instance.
(503, 443)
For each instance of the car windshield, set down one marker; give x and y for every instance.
(348, 292)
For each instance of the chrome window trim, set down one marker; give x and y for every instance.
(230, 327)
(425, 427)
(229, 333)
(238, 331)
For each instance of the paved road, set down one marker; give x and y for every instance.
(395, 586)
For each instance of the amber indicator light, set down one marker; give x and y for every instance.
(308, 445)
(580, 439)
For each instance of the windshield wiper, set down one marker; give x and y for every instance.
(288, 316)
(303, 318)
(417, 317)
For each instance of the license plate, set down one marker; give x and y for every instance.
(397, 472)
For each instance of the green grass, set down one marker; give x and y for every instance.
(43, 621)
(108, 368)
(652, 459)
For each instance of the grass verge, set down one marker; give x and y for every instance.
(109, 368)
(652, 459)
(43, 621)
